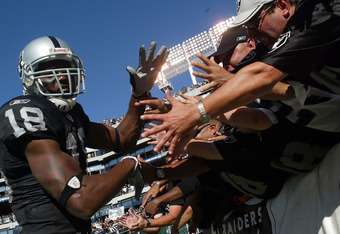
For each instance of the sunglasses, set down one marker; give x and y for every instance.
(254, 22)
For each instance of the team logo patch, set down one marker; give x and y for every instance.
(20, 101)
(70, 117)
(20, 64)
(281, 41)
(238, 5)
(74, 183)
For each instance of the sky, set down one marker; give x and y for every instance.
(106, 35)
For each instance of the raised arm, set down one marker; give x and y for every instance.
(249, 83)
(102, 136)
(125, 136)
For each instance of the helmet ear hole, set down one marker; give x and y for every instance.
(28, 81)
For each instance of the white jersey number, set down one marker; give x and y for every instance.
(33, 120)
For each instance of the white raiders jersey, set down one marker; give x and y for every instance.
(311, 108)
(308, 126)
(322, 107)
(309, 202)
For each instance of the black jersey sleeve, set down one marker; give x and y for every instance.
(310, 41)
(188, 186)
(27, 118)
(78, 113)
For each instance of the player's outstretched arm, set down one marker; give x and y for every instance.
(54, 169)
(190, 167)
(142, 80)
(125, 136)
(121, 139)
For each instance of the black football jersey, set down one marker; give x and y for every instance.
(28, 118)
(311, 107)
(258, 166)
(294, 148)
(308, 49)
(246, 166)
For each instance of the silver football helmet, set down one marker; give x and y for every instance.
(48, 67)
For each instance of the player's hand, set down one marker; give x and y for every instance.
(215, 74)
(144, 78)
(179, 124)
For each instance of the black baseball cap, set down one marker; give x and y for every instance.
(230, 39)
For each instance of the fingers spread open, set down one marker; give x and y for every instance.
(151, 52)
(142, 53)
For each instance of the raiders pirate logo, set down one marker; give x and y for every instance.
(281, 41)
(238, 5)
(20, 64)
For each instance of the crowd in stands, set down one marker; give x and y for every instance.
(7, 218)
(185, 90)
(114, 121)
(108, 226)
(126, 189)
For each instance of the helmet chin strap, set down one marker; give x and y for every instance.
(63, 104)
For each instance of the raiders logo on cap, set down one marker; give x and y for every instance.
(281, 41)
(238, 5)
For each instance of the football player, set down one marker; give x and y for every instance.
(44, 134)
